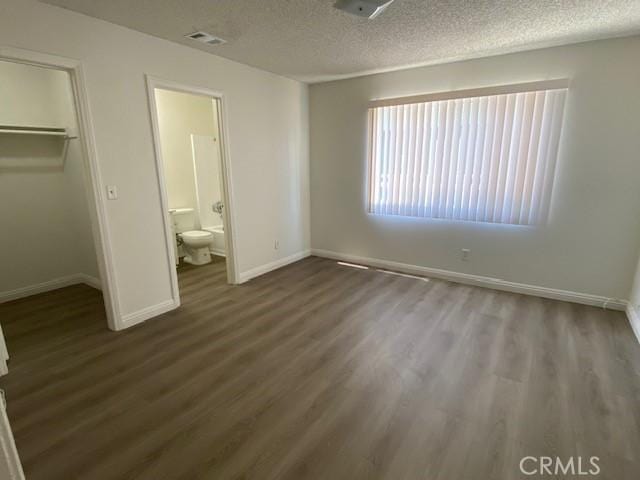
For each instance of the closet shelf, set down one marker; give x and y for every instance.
(51, 131)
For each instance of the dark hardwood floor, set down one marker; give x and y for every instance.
(320, 371)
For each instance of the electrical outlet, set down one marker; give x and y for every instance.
(112, 192)
(466, 253)
(276, 245)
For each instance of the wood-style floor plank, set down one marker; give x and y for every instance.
(320, 371)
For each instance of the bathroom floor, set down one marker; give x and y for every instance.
(215, 262)
(320, 371)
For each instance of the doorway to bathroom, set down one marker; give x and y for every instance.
(193, 174)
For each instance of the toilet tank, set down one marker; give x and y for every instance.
(182, 219)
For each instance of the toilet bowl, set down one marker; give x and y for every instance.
(196, 245)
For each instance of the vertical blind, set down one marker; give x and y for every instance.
(483, 158)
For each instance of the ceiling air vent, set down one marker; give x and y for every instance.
(363, 8)
(204, 37)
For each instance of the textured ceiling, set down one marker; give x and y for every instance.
(309, 40)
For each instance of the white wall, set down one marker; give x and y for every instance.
(43, 212)
(30, 95)
(267, 118)
(591, 240)
(180, 115)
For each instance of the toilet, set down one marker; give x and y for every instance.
(195, 243)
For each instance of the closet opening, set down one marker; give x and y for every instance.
(52, 280)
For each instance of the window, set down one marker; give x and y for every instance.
(479, 155)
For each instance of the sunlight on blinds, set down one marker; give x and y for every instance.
(483, 158)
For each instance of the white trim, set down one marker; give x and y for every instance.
(93, 179)
(11, 465)
(480, 281)
(49, 285)
(131, 319)
(97, 204)
(164, 196)
(268, 267)
(218, 253)
(229, 219)
(634, 320)
(4, 353)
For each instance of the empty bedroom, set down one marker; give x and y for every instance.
(319, 239)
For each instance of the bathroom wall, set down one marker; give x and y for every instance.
(207, 170)
(179, 116)
(43, 210)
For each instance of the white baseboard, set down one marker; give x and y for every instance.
(480, 281)
(131, 319)
(268, 267)
(49, 285)
(89, 280)
(634, 320)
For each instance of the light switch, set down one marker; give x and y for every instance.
(112, 192)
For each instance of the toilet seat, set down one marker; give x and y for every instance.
(196, 235)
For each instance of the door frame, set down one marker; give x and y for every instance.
(227, 185)
(92, 177)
